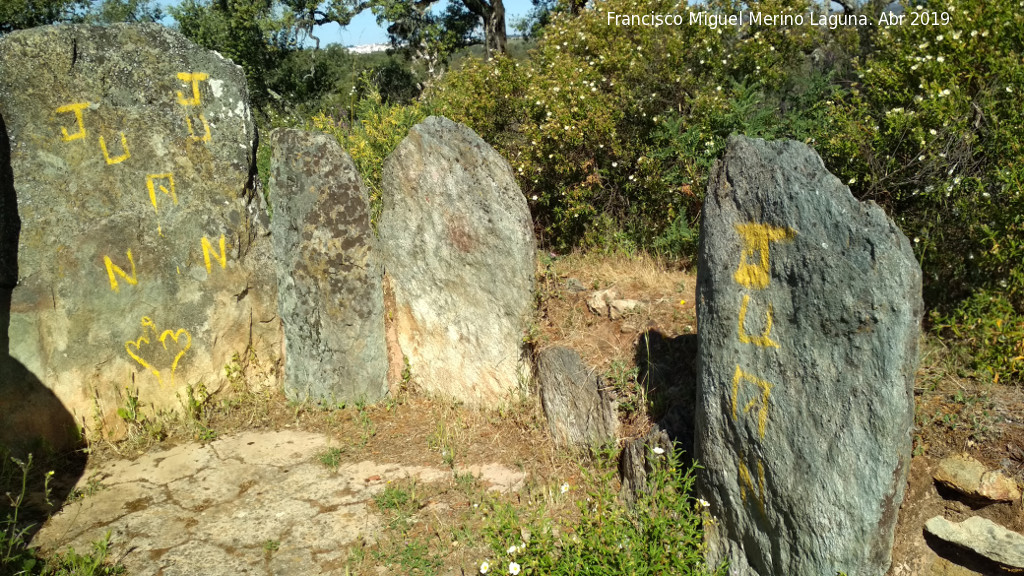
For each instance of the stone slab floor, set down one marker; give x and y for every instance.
(210, 509)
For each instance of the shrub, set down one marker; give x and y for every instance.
(931, 130)
(608, 122)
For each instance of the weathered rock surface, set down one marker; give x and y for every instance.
(972, 479)
(577, 406)
(638, 460)
(808, 308)
(141, 259)
(458, 249)
(329, 274)
(981, 536)
(209, 510)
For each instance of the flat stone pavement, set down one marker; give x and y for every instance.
(208, 510)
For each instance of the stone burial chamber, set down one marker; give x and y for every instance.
(809, 309)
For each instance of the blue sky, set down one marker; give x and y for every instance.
(364, 28)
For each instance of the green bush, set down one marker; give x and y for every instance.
(992, 331)
(623, 123)
(932, 131)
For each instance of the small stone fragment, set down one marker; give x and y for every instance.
(598, 301)
(972, 479)
(618, 308)
(981, 536)
(574, 285)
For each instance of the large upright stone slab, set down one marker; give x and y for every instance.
(808, 311)
(141, 261)
(328, 272)
(459, 254)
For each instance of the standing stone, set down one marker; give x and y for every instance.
(458, 251)
(808, 311)
(328, 272)
(142, 261)
(579, 412)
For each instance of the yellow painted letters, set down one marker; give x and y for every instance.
(167, 190)
(77, 109)
(113, 271)
(193, 78)
(115, 159)
(746, 482)
(763, 340)
(756, 239)
(222, 257)
(762, 409)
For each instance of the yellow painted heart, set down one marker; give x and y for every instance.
(136, 352)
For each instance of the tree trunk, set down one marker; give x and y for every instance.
(496, 36)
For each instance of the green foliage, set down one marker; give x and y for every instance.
(614, 129)
(16, 557)
(662, 534)
(331, 458)
(21, 14)
(931, 130)
(375, 132)
(113, 11)
(989, 327)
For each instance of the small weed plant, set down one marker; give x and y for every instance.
(18, 559)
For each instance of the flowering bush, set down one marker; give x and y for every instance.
(613, 128)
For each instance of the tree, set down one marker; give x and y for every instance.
(112, 11)
(20, 14)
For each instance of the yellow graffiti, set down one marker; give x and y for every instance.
(746, 482)
(762, 410)
(222, 257)
(756, 238)
(763, 340)
(77, 109)
(193, 78)
(205, 137)
(167, 190)
(174, 335)
(113, 271)
(115, 159)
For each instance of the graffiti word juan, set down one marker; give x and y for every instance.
(173, 344)
(754, 274)
(80, 134)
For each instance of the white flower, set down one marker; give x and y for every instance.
(659, 450)
(615, 164)
(512, 549)
(565, 488)
(513, 568)
(916, 240)
(702, 503)
(534, 197)
(485, 567)
(940, 59)
(1008, 89)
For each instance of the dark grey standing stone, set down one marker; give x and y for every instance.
(328, 272)
(142, 258)
(579, 412)
(458, 248)
(808, 309)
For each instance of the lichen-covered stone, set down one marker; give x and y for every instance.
(458, 250)
(141, 259)
(328, 272)
(808, 311)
